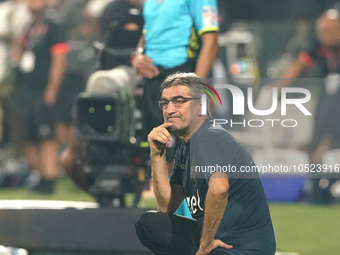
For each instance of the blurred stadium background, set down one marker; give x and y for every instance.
(271, 33)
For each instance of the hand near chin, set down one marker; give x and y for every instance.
(159, 138)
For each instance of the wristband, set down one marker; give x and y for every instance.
(135, 53)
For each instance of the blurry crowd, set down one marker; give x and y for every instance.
(46, 57)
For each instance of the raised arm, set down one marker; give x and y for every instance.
(168, 197)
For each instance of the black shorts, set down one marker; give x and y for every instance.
(72, 85)
(35, 120)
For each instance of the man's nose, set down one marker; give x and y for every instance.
(171, 108)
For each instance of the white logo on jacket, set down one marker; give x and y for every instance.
(194, 203)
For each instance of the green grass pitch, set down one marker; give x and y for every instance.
(306, 229)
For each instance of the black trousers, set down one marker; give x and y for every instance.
(170, 234)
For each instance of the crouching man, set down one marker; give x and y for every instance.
(230, 210)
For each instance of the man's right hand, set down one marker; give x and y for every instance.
(144, 66)
(159, 138)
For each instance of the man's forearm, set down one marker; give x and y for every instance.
(161, 184)
(293, 71)
(207, 55)
(57, 71)
(215, 205)
(140, 45)
(17, 50)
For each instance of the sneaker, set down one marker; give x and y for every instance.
(44, 186)
(32, 180)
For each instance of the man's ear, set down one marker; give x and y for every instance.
(200, 108)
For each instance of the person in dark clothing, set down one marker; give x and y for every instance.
(177, 36)
(323, 48)
(81, 61)
(230, 210)
(41, 54)
(121, 26)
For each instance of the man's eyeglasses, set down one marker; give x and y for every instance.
(177, 102)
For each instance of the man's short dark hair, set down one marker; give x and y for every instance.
(190, 80)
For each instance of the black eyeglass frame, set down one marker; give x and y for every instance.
(186, 99)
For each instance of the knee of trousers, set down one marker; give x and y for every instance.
(147, 223)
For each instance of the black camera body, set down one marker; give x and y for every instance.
(110, 155)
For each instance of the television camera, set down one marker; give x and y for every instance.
(106, 121)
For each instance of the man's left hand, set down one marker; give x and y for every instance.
(214, 244)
